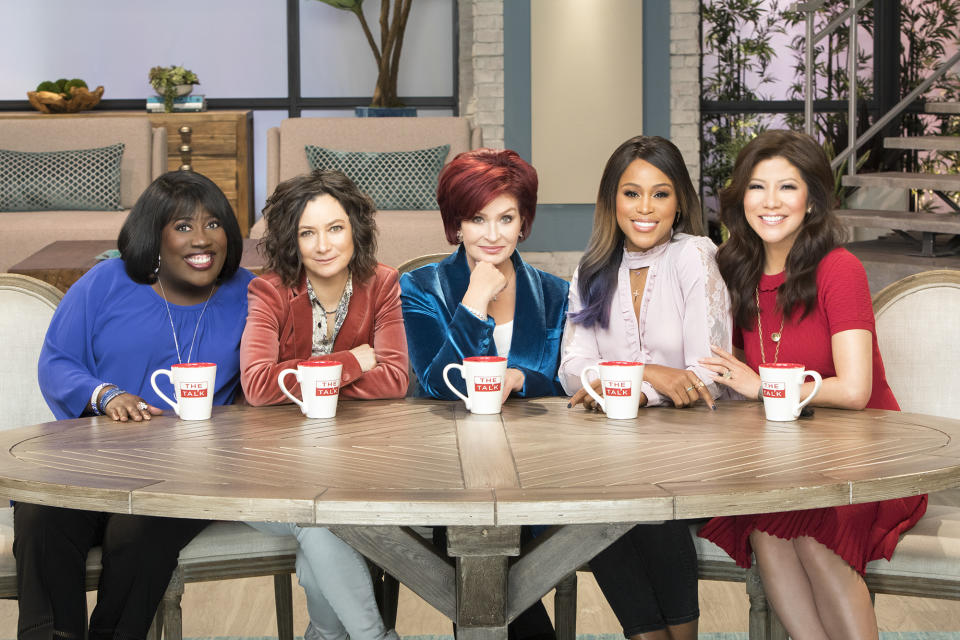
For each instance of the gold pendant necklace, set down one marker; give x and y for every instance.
(775, 336)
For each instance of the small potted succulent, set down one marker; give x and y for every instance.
(172, 82)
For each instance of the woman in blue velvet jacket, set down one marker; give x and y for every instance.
(475, 301)
(484, 300)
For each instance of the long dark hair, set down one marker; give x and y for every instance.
(741, 257)
(172, 195)
(284, 208)
(597, 272)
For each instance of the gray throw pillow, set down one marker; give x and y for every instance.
(82, 179)
(402, 180)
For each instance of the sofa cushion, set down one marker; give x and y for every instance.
(403, 180)
(80, 180)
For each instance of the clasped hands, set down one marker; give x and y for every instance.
(682, 386)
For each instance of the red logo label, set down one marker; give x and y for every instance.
(774, 390)
(486, 383)
(193, 390)
(617, 388)
(328, 387)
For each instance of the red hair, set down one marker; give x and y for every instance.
(474, 178)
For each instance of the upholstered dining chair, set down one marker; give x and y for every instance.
(415, 263)
(223, 550)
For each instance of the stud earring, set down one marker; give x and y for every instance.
(460, 236)
(521, 235)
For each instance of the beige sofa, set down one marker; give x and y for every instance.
(403, 234)
(144, 158)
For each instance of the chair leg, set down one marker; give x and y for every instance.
(283, 594)
(156, 627)
(390, 596)
(172, 622)
(565, 608)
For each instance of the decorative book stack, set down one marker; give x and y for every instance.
(191, 103)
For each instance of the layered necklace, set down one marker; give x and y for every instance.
(173, 330)
(775, 336)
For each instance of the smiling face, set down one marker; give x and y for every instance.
(325, 239)
(775, 203)
(492, 233)
(193, 249)
(646, 206)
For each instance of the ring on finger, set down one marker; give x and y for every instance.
(691, 387)
(728, 374)
(142, 406)
(699, 384)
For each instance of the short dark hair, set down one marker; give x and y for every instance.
(474, 178)
(174, 194)
(284, 208)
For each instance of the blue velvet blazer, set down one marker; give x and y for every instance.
(441, 331)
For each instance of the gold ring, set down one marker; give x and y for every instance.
(699, 384)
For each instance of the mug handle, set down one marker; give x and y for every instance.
(589, 387)
(153, 383)
(446, 369)
(817, 381)
(284, 374)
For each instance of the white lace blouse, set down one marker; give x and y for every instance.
(685, 308)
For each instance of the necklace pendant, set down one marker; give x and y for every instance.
(775, 336)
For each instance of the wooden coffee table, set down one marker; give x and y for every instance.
(381, 466)
(63, 262)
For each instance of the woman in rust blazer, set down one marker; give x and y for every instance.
(325, 297)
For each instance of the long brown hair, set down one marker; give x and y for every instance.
(740, 259)
(597, 272)
(284, 208)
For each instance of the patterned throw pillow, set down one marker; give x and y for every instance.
(401, 180)
(80, 180)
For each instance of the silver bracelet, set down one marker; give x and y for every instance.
(479, 315)
(93, 398)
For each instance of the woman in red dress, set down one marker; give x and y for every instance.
(797, 296)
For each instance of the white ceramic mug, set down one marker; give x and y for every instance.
(484, 377)
(319, 385)
(620, 383)
(780, 386)
(193, 387)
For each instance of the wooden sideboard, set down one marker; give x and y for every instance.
(218, 144)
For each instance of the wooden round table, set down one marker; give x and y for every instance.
(382, 465)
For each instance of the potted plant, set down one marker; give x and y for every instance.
(387, 54)
(171, 82)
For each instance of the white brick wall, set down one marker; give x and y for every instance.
(481, 73)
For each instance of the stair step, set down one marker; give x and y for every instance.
(927, 143)
(901, 220)
(905, 180)
(942, 107)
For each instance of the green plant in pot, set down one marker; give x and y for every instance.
(387, 54)
(171, 82)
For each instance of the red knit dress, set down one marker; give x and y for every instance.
(858, 533)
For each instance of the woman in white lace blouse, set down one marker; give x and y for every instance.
(648, 290)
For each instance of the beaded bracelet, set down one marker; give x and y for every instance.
(109, 395)
(479, 315)
(93, 398)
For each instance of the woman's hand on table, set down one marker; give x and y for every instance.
(126, 407)
(366, 357)
(732, 373)
(513, 380)
(682, 386)
(486, 281)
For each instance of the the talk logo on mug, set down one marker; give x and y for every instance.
(774, 390)
(328, 387)
(193, 389)
(486, 383)
(617, 388)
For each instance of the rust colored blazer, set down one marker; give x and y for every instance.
(279, 334)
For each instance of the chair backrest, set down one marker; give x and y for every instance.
(415, 263)
(917, 320)
(27, 306)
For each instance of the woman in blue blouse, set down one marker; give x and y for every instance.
(176, 294)
(483, 295)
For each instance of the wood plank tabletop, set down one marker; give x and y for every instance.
(430, 462)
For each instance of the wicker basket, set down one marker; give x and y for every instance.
(81, 100)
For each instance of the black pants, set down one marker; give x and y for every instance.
(649, 577)
(139, 556)
(532, 624)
